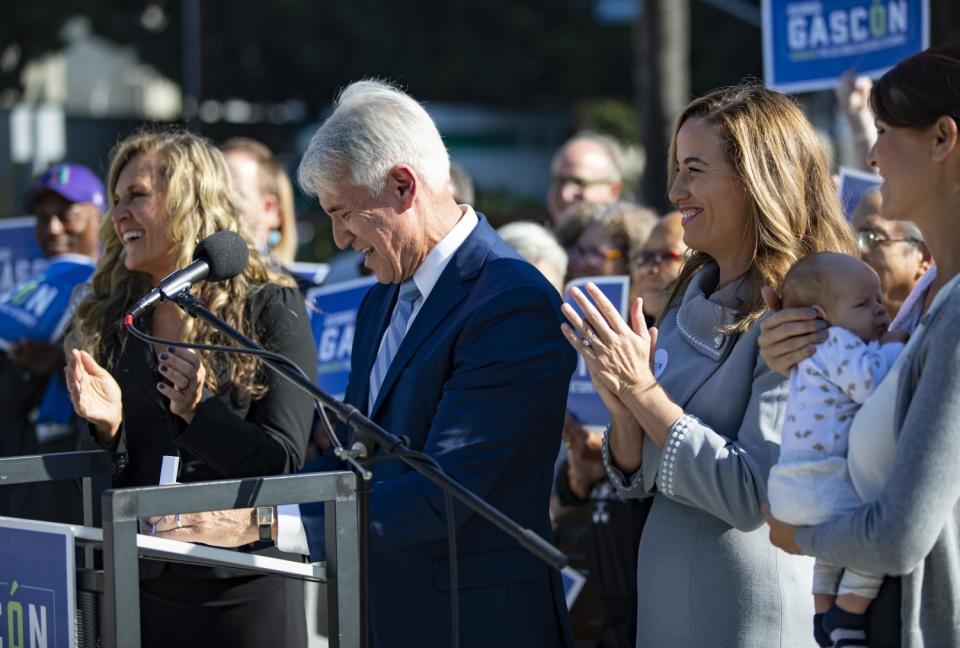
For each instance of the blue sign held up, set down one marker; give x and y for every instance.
(809, 44)
(583, 402)
(20, 256)
(333, 317)
(854, 185)
(37, 308)
(37, 584)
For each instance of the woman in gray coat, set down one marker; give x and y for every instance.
(905, 440)
(696, 413)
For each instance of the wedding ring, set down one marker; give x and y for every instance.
(588, 337)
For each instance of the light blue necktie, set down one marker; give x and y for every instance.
(393, 337)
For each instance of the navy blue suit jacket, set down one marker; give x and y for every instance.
(480, 384)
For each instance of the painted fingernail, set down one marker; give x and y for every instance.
(811, 312)
(161, 386)
(170, 349)
(821, 324)
(164, 356)
(811, 350)
(163, 368)
(823, 335)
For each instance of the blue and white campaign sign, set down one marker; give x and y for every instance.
(37, 585)
(854, 185)
(583, 402)
(38, 308)
(809, 44)
(20, 256)
(333, 318)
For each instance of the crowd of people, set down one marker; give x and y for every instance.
(783, 394)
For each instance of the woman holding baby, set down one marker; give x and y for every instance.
(904, 444)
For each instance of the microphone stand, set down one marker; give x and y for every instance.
(390, 444)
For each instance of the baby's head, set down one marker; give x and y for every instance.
(845, 291)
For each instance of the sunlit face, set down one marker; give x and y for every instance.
(595, 255)
(259, 210)
(656, 267)
(715, 206)
(581, 172)
(64, 227)
(897, 261)
(392, 243)
(902, 156)
(858, 304)
(140, 218)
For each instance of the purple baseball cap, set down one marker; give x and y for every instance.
(74, 182)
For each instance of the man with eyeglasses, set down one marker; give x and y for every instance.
(655, 266)
(585, 169)
(894, 249)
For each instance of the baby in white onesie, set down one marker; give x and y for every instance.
(810, 483)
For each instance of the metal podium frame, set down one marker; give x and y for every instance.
(122, 508)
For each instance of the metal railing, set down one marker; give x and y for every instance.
(121, 510)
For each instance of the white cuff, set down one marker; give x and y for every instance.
(668, 461)
(291, 536)
(632, 485)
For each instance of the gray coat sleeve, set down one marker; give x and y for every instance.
(727, 478)
(894, 534)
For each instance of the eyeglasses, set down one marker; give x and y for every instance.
(655, 258)
(595, 255)
(867, 240)
(581, 183)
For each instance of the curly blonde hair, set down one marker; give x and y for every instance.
(199, 201)
(774, 151)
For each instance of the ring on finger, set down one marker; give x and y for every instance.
(589, 336)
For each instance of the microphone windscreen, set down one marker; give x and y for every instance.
(226, 254)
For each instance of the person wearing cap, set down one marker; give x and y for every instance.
(67, 201)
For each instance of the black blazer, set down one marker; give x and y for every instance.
(231, 436)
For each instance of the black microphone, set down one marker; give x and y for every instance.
(220, 256)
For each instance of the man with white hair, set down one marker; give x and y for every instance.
(585, 169)
(539, 246)
(459, 349)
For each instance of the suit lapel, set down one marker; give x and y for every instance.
(449, 291)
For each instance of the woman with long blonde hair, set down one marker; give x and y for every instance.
(695, 412)
(224, 415)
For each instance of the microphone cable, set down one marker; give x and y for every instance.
(413, 455)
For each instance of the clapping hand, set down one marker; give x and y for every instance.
(617, 354)
(186, 375)
(94, 393)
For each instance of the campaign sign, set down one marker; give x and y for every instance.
(809, 44)
(311, 274)
(333, 317)
(583, 402)
(20, 256)
(854, 185)
(38, 308)
(37, 585)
